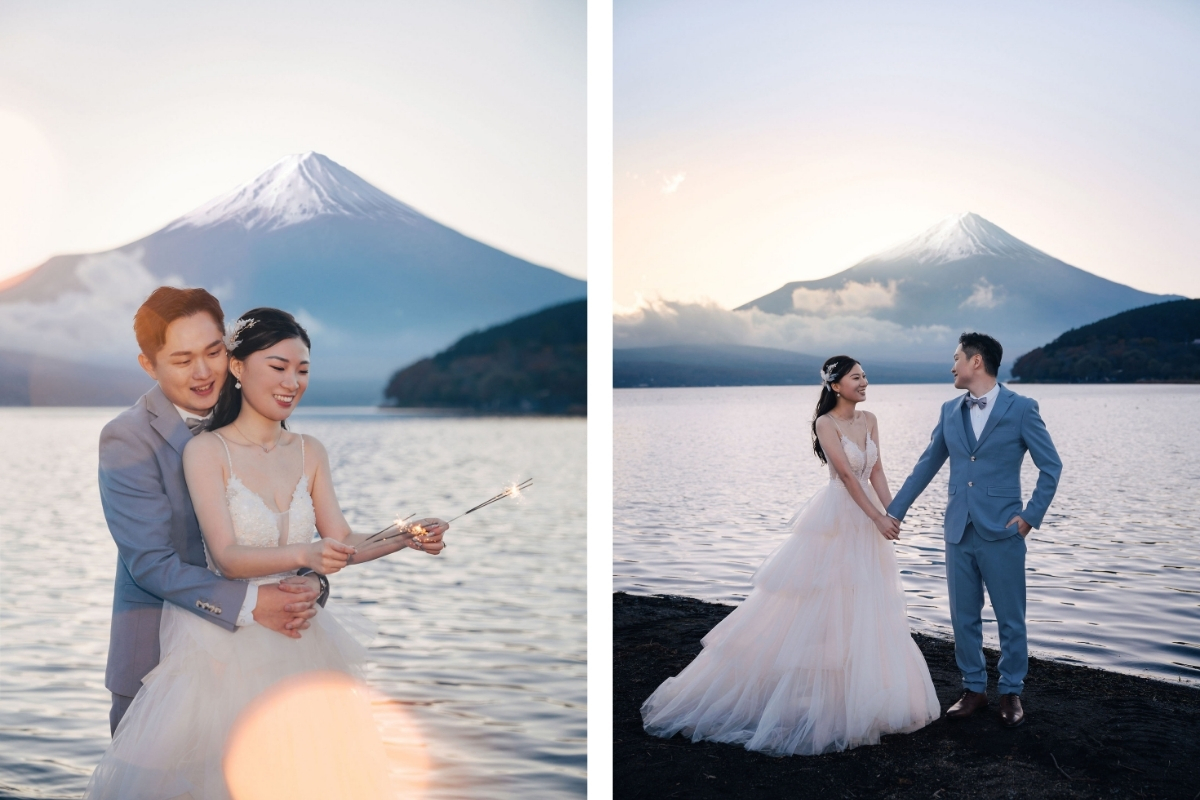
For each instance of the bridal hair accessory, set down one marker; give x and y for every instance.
(418, 532)
(234, 333)
(827, 376)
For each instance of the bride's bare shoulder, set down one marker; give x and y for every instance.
(204, 446)
(312, 445)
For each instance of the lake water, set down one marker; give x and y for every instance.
(481, 649)
(705, 481)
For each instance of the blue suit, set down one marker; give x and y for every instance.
(984, 493)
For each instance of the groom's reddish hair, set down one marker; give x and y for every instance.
(165, 305)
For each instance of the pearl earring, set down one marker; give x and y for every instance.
(237, 384)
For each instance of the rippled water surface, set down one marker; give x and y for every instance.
(483, 647)
(706, 480)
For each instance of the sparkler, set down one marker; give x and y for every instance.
(418, 532)
(512, 491)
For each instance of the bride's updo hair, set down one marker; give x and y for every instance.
(832, 371)
(257, 329)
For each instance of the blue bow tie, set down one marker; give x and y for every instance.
(972, 402)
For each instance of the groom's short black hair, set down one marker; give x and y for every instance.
(985, 346)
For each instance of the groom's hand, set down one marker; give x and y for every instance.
(285, 607)
(1023, 527)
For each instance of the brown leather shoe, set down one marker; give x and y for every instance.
(968, 704)
(1011, 713)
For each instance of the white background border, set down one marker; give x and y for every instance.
(600, 419)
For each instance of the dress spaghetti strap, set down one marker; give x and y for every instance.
(228, 457)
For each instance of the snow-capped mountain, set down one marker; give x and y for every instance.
(298, 188)
(964, 273)
(956, 237)
(377, 283)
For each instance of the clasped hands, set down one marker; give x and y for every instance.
(889, 526)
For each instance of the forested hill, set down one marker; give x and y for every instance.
(1159, 342)
(534, 364)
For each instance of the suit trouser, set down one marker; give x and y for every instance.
(120, 705)
(972, 564)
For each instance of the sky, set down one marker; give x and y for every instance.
(118, 117)
(769, 141)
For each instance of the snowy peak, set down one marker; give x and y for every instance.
(295, 189)
(956, 237)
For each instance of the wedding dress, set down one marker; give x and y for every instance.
(171, 742)
(818, 657)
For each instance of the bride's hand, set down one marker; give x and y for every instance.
(327, 556)
(887, 526)
(429, 540)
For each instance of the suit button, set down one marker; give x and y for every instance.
(970, 483)
(972, 458)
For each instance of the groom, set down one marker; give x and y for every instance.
(985, 434)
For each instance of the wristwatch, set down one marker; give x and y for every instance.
(324, 595)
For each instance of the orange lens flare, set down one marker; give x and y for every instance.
(360, 746)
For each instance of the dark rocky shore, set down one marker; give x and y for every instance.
(1089, 733)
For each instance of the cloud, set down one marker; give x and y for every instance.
(852, 298)
(94, 323)
(671, 182)
(984, 296)
(310, 323)
(666, 322)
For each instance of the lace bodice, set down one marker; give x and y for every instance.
(255, 525)
(862, 462)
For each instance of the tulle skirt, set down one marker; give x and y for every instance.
(171, 741)
(818, 658)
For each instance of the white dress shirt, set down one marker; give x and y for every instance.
(246, 615)
(979, 416)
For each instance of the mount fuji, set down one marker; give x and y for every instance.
(964, 273)
(377, 283)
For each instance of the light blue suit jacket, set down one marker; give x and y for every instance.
(985, 475)
(161, 552)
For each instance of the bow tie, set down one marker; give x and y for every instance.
(195, 424)
(972, 402)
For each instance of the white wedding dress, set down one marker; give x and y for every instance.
(171, 741)
(818, 658)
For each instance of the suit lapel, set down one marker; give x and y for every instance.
(167, 420)
(963, 423)
(1003, 401)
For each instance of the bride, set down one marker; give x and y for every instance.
(260, 492)
(819, 657)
